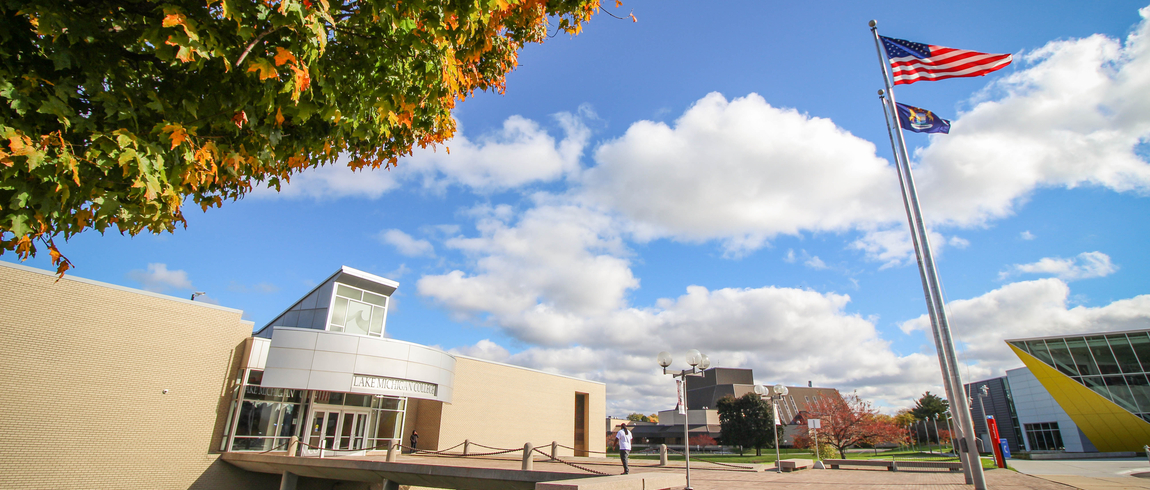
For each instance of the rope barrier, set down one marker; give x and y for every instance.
(568, 463)
(277, 447)
(444, 452)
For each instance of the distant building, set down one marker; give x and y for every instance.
(999, 403)
(703, 394)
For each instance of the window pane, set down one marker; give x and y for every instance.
(259, 393)
(374, 299)
(1095, 383)
(291, 418)
(1120, 393)
(1082, 357)
(1141, 344)
(1124, 354)
(316, 429)
(258, 419)
(358, 318)
(386, 427)
(1102, 356)
(292, 396)
(255, 377)
(329, 431)
(345, 431)
(377, 316)
(1038, 349)
(1141, 391)
(389, 403)
(345, 291)
(337, 313)
(1061, 356)
(352, 400)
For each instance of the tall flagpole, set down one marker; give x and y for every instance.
(933, 290)
(888, 117)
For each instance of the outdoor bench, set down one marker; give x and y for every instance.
(795, 464)
(893, 465)
(950, 465)
(835, 463)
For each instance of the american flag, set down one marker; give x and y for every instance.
(911, 61)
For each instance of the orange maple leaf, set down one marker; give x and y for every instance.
(633, 19)
(618, 3)
(239, 119)
(176, 19)
(283, 56)
(265, 68)
(279, 116)
(178, 134)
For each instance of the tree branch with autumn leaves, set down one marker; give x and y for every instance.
(117, 114)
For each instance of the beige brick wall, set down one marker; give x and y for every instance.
(83, 369)
(506, 406)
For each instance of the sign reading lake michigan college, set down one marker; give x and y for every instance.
(393, 384)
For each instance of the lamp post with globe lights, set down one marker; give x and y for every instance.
(699, 363)
(774, 392)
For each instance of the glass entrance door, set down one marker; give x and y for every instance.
(336, 430)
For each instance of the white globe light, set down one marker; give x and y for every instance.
(664, 358)
(705, 363)
(760, 390)
(780, 390)
(694, 357)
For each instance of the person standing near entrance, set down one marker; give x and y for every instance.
(623, 441)
(414, 440)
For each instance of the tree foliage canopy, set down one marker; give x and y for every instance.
(115, 113)
(850, 420)
(929, 406)
(746, 422)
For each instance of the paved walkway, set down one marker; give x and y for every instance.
(865, 479)
(1088, 474)
(1040, 475)
(706, 476)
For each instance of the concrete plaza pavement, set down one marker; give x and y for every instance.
(706, 476)
(1088, 474)
(1040, 475)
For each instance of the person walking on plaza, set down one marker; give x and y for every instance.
(623, 441)
(414, 440)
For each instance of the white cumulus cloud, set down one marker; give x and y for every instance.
(484, 349)
(1072, 117)
(1037, 308)
(521, 152)
(741, 171)
(158, 278)
(406, 244)
(1085, 266)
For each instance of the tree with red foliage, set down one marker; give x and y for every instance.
(850, 420)
(703, 440)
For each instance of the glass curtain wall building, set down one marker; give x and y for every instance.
(1114, 366)
(1099, 383)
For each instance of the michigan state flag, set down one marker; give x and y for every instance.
(921, 120)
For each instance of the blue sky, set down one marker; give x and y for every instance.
(719, 178)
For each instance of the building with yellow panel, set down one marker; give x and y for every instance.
(1099, 386)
